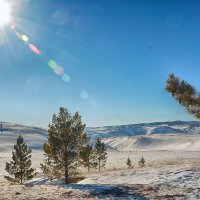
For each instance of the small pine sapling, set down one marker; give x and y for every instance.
(129, 164)
(20, 166)
(142, 162)
(100, 153)
(87, 157)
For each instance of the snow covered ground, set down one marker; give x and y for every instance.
(167, 175)
(172, 168)
(167, 182)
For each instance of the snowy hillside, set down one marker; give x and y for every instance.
(146, 136)
(159, 142)
(35, 137)
(176, 127)
(169, 136)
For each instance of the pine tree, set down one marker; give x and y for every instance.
(100, 153)
(185, 94)
(87, 157)
(20, 167)
(66, 138)
(128, 162)
(142, 162)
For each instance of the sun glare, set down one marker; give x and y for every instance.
(4, 12)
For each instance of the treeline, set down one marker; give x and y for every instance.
(67, 148)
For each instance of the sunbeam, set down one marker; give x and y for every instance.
(4, 12)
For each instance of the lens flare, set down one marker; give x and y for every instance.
(59, 70)
(25, 38)
(84, 95)
(65, 77)
(13, 27)
(19, 35)
(52, 64)
(34, 49)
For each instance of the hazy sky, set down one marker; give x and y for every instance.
(117, 53)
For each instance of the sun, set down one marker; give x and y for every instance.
(4, 12)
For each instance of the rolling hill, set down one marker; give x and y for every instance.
(177, 135)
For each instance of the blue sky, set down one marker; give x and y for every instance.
(117, 53)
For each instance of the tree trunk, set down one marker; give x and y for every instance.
(21, 178)
(88, 165)
(99, 166)
(66, 175)
(66, 163)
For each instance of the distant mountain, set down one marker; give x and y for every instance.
(123, 137)
(34, 136)
(170, 136)
(175, 127)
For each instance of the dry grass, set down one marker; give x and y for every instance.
(171, 162)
